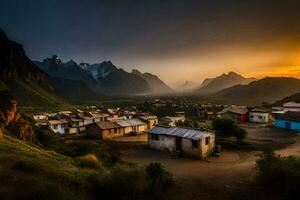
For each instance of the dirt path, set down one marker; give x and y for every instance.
(216, 178)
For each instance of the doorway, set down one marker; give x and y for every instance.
(178, 144)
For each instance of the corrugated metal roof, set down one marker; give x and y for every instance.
(178, 132)
(129, 122)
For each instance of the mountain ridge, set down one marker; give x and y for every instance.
(210, 86)
(268, 89)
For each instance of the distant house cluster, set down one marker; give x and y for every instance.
(104, 124)
(288, 116)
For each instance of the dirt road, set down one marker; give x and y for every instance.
(217, 177)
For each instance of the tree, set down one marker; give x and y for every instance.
(228, 127)
(159, 178)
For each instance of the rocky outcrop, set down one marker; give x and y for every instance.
(8, 111)
(11, 120)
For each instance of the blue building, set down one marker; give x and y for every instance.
(288, 120)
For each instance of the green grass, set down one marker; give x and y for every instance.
(3, 86)
(60, 171)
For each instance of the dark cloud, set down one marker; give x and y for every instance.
(145, 29)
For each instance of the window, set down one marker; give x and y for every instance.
(55, 126)
(207, 140)
(260, 117)
(154, 137)
(251, 116)
(116, 130)
(195, 143)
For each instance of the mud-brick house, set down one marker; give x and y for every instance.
(190, 142)
(104, 130)
(239, 113)
(259, 115)
(132, 125)
(150, 120)
(76, 126)
(170, 120)
(58, 126)
(289, 120)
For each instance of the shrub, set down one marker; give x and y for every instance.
(121, 183)
(158, 178)
(89, 161)
(278, 177)
(228, 127)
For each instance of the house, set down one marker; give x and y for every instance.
(171, 121)
(58, 126)
(191, 142)
(132, 125)
(291, 106)
(180, 114)
(289, 120)
(105, 130)
(76, 126)
(239, 113)
(150, 120)
(40, 117)
(259, 115)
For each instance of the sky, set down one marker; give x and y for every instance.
(177, 40)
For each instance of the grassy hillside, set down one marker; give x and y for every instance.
(28, 172)
(29, 93)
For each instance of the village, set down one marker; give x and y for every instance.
(167, 133)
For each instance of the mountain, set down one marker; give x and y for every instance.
(69, 70)
(105, 77)
(269, 89)
(294, 97)
(120, 82)
(24, 80)
(187, 86)
(99, 70)
(206, 82)
(21, 78)
(210, 86)
(157, 86)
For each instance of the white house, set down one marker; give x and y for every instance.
(259, 116)
(171, 121)
(291, 106)
(190, 142)
(57, 126)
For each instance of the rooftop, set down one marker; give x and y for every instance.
(290, 116)
(130, 122)
(61, 121)
(107, 125)
(235, 109)
(171, 118)
(193, 134)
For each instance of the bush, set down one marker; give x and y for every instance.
(228, 127)
(158, 178)
(89, 161)
(278, 177)
(121, 183)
